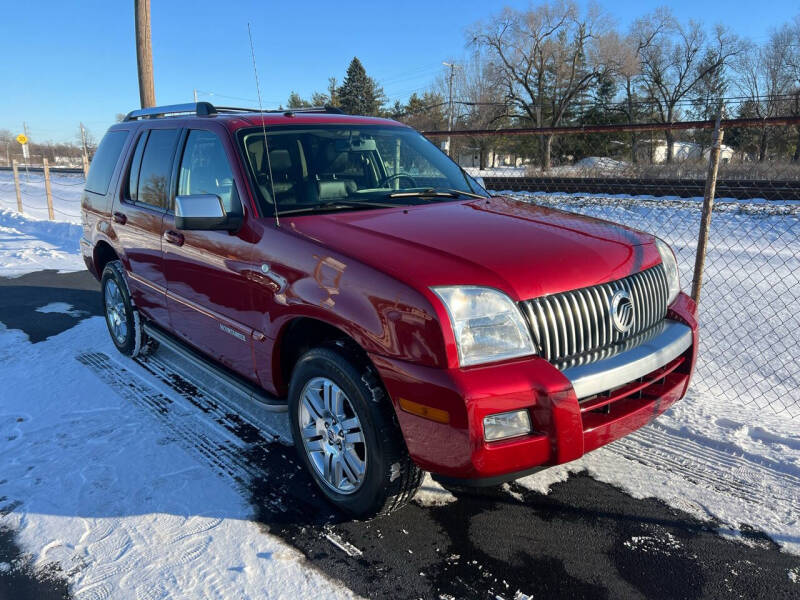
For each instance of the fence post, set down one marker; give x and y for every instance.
(47, 189)
(708, 205)
(16, 186)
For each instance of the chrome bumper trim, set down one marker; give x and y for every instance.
(667, 345)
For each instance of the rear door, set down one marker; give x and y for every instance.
(208, 272)
(138, 217)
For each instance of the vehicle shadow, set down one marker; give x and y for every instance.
(66, 298)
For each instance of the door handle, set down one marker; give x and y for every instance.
(173, 237)
(120, 218)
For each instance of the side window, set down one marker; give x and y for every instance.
(136, 163)
(156, 167)
(205, 170)
(104, 161)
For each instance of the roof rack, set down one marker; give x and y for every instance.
(206, 109)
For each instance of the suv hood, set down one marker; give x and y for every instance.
(523, 249)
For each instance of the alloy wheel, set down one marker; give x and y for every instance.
(115, 311)
(332, 435)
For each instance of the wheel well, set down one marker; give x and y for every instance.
(303, 334)
(103, 254)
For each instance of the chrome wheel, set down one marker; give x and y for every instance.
(115, 311)
(332, 435)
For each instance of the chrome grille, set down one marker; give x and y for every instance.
(574, 323)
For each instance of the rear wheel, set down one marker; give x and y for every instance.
(122, 318)
(345, 431)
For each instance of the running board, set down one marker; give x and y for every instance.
(191, 363)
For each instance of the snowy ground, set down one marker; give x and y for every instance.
(29, 242)
(92, 479)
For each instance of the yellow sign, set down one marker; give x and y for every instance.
(22, 138)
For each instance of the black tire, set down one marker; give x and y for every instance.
(390, 477)
(134, 342)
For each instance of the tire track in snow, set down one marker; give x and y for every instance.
(756, 482)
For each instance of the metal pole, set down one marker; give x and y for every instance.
(195, 96)
(144, 53)
(85, 154)
(16, 186)
(47, 189)
(708, 206)
(25, 151)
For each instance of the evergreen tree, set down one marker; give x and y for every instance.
(359, 94)
(295, 101)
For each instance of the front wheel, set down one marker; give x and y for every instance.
(344, 428)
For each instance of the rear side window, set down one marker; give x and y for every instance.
(104, 161)
(156, 167)
(133, 175)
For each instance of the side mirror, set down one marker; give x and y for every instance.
(203, 212)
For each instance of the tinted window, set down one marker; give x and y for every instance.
(205, 170)
(316, 165)
(136, 163)
(156, 167)
(104, 161)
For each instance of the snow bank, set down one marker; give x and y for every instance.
(66, 190)
(28, 244)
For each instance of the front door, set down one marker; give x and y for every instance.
(138, 219)
(208, 291)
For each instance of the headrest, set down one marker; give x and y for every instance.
(280, 160)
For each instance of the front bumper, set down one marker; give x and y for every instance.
(572, 411)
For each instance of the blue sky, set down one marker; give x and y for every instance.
(66, 62)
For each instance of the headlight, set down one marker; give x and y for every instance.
(670, 269)
(487, 324)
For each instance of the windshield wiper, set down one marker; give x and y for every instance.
(338, 204)
(434, 193)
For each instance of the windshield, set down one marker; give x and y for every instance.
(334, 167)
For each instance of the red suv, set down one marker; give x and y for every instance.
(346, 269)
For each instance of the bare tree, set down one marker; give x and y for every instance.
(677, 59)
(764, 78)
(548, 56)
(481, 102)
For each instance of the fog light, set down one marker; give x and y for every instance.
(506, 425)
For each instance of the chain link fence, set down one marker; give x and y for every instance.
(748, 309)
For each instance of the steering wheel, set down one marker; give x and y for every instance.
(389, 178)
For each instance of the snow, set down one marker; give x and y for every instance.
(29, 242)
(61, 308)
(109, 494)
(96, 483)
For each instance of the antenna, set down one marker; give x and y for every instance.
(264, 130)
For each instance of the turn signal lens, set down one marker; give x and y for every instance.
(506, 425)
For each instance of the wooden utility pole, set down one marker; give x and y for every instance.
(144, 53)
(16, 186)
(708, 207)
(453, 68)
(47, 189)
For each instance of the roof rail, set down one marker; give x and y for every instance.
(201, 109)
(206, 109)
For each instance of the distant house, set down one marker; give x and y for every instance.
(656, 151)
(471, 157)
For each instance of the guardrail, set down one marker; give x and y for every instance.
(40, 169)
